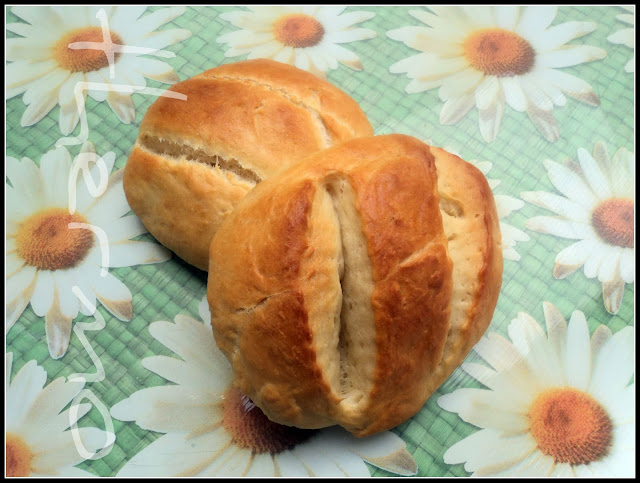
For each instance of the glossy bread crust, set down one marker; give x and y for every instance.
(280, 263)
(241, 123)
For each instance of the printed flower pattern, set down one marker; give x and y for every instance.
(491, 57)
(626, 36)
(308, 37)
(38, 441)
(598, 210)
(46, 257)
(211, 429)
(556, 404)
(46, 70)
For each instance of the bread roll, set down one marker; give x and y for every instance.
(471, 224)
(330, 287)
(194, 160)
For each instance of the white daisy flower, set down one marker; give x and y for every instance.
(305, 36)
(504, 204)
(626, 36)
(45, 258)
(38, 440)
(489, 57)
(211, 429)
(46, 70)
(598, 210)
(557, 404)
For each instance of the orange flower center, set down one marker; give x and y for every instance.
(18, 456)
(251, 429)
(45, 241)
(613, 221)
(84, 60)
(298, 30)
(570, 426)
(499, 52)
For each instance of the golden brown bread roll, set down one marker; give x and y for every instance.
(330, 287)
(194, 160)
(472, 227)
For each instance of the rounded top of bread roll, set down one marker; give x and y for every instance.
(330, 287)
(243, 122)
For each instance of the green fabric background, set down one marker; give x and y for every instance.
(161, 291)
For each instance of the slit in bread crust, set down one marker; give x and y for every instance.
(176, 151)
(355, 315)
(322, 125)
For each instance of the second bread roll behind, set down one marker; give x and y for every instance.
(195, 159)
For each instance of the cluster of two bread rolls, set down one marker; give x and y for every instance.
(346, 287)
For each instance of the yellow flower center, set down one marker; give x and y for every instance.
(18, 456)
(251, 429)
(45, 241)
(298, 30)
(570, 426)
(613, 221)
(83, 60)
(499, 52)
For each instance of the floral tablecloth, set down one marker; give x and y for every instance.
(110, 369)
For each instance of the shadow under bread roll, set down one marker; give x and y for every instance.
(241, 123)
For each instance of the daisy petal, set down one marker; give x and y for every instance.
(43, 293)
(572, 258)
(545, 122)
(152, 21)
(514, 94)
(65, 451)
(558, 35)
(122, 106)
(235, 463)
(612, 293)
(570, 184)
(290, 465)
(507, 16)
(572, 85)
(613, 368)
(384, 450)
(534, 20)
(66, 299)
(55, 166)
(157, 70)
(560, 227)
(571, 55)
(168, 409)
(173, 454)
(262, 465)
(58, 330)
(338, 446)
(455, 109)
(21, 72)
(24, 389)
(490, 119)
(558, 204)
(608, 270)
(488, 452)
(627, 265)
(182, 373)
(577, 361)
(114, 296)
(599, 338)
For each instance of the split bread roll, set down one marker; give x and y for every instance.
(334, 292)
(195, 159)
